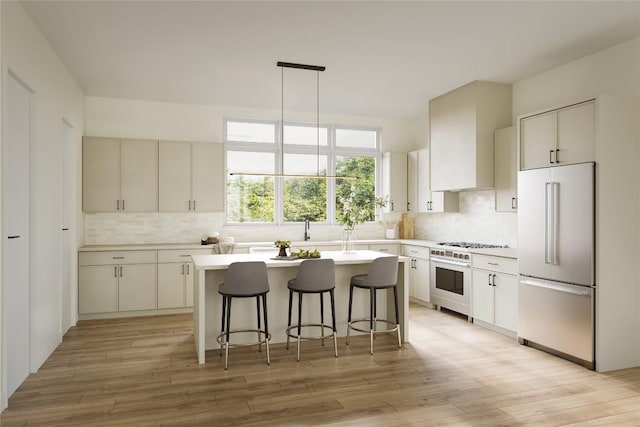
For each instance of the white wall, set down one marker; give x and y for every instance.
(189, 122)
(56, 96)
(613, 76)
(158, 120)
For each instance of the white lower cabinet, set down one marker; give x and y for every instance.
(418, 272)
(495, 291)
(390, 248)
(116, 281)
(171, 284)
(137, 287)
(97, 289)
(175, 277)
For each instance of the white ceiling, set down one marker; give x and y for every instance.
(383, 59)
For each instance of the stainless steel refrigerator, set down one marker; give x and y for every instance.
(556, 260)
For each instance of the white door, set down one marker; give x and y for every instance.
(15, 248)
(67, 231)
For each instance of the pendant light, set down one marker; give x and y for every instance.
(317, 69)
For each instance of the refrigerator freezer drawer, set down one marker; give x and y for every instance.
(558, 316)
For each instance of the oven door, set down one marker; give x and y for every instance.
(450, 284)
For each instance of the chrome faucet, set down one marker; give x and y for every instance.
(307, 236)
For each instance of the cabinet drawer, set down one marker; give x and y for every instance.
(184, 255)
(388, 248)
(415, 251)
(503, 265)
(117, 257)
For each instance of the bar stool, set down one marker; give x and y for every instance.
(315, 276)
(383, 274)
(244, 280)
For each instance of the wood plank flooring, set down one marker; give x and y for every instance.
(144, 372)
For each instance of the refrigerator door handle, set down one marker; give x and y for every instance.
(547, 222)
(551, 222)
(559, 288)
(555, 212)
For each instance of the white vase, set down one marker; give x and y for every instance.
(349, 241)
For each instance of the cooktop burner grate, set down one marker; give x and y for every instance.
(468, 245)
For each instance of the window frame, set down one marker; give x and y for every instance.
(331, 150)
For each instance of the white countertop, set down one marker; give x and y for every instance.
(501, 252)
(142, 247)
(221, 262)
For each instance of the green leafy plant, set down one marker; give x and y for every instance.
(282, 243)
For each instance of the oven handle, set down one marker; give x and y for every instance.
(450, 262)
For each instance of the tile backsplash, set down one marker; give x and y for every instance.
(124, 228)
(476, 222)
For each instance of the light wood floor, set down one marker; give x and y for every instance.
(143, 372)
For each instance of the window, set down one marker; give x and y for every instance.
(252, 147)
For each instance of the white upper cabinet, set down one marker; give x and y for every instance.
(174, 176)
(100, 174)
(207, 176)
(506, 170)
(119, 175)
(561, 136)
(420, 197)
(461, 127)
(394, 181)
(139, 175)
(191, 176)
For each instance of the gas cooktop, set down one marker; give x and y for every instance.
(468, 245)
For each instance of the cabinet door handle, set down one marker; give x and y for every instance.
(187, 269)
(551, 156)
(182, 273)
(118, 257)
(392, 206)
(492, 263)
(122, 204)
(120, 271)
(194, 205)
(189, 204)
(15, 236)
(489, 280)
(557, 151)
(493, 279)
(185, 256)
(513, 203)
(117, 205)
(115, 271)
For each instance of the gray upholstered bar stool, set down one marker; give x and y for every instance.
(315, 276)
(383, 274)
(244, 280)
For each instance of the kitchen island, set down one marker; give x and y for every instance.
(211, 269)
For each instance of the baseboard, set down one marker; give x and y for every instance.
(498, 329)
(138, 313)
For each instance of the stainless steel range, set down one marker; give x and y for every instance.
(450, 276)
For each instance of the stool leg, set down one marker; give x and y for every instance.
(375, 312)
(349, 318)
(322, 316)
(395, 300)
(259, 333)
(333, 323)
(228, 327)
(223, 330)
(299, 321)
(289, 317)
(266, 327)
(372, 296)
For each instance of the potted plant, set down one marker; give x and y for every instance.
(283, 245)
